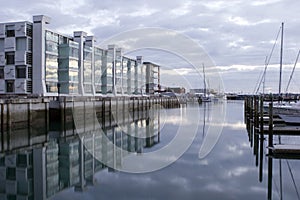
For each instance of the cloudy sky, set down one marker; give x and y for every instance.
(237, 34)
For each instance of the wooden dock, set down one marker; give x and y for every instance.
(262, 125)
(261, 122)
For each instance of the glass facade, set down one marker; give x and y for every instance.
(51, 67)
(98, 56)
(51, 59)
(87, 69)
(68, 68)
(107, 74)
(132, 76)
(124, 75)
(118, 73)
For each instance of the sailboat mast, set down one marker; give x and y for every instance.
(204, 80)
(281, 55)
(264, 74)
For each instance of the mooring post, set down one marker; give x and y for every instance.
(270, 127)
(251, 122)
(247, 119)
(261, 142)
(270, 160)
(245, 110)
(256, 128)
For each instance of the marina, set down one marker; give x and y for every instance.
(149, 100)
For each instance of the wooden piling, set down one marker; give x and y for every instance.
(270, 145)
(255, 122)
(261, 140)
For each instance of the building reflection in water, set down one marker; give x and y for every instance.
(36, 163)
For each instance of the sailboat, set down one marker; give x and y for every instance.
(205, 97)
(281, 107)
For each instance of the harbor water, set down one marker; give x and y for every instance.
(77, 162)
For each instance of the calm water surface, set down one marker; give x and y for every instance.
(229, 171)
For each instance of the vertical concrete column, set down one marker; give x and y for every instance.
(90, 41)
(139, 61)
(119, 59)
(38, 60)
(79, 37)
(112, 51)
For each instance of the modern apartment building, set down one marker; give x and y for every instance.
(35, 60)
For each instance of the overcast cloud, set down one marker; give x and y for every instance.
(233, 33)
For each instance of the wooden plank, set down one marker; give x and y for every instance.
(286, 150)
(291, 119)
(283, 130)
(275, 120)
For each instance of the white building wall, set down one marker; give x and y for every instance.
(79, 37)
(39, 85)
(90, 41)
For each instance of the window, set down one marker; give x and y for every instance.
(10, 58)
(10, 86)
(73, 64)
(51, 46)
(10, 31)
(11, 173)
(1, 72)
(87, 55)
(29, 44)
(73, 76)
(51, 86)
(73, 88)
(21, 71)
(29, 30)
(1, 45)
(22, 160)
(21, 43)
(87, 73)
(73, 52)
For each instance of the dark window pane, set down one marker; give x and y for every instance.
(21, 72)
(10, 30)
(22, 161)
(1, 72)
(11, 173)
(10, 58)
(10, 33)
(10, 86)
